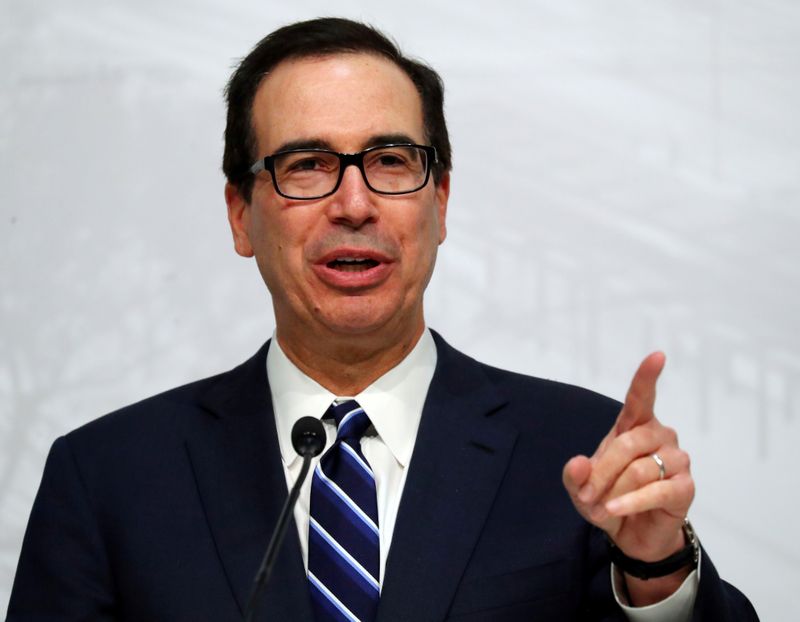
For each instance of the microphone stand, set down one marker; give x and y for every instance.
(308, 440)
(264, 572)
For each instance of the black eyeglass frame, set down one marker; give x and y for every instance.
(345, 159)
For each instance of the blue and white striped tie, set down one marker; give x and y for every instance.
(343, 543)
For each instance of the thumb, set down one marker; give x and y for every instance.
(576, 474)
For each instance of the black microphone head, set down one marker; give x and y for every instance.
(308, 436)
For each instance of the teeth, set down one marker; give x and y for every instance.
(353, 264)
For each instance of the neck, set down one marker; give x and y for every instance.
(347, 365)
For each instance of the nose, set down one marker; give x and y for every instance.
(353, 204)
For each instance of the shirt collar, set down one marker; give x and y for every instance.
(393, 402)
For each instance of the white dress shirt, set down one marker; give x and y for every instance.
(394, 405)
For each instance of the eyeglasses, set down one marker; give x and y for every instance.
(317, 173)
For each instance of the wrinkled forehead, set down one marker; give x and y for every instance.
(342, 101)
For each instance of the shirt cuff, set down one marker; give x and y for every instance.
(675, 608)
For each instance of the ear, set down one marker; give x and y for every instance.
(239, 220)
(442, 195)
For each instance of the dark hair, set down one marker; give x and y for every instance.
(320, 37)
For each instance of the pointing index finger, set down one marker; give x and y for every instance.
(641, 397)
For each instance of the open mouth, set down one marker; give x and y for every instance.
(351, 264)
(354, 269)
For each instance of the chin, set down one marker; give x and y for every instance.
(361, 318)
(354, 325)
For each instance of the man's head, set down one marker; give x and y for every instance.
(321, 37)
(354, 263)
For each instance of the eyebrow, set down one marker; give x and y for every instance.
(373, 141)
(389, 139)
(303, 143)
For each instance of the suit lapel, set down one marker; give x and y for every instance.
(236, 460)
(459, 459)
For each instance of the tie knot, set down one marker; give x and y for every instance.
(351, 420)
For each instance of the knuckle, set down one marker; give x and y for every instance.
(627, 442)
(649, 430)
(640, 474)
(690, 488)
(671, 435)
(684, 460)
(644, 434)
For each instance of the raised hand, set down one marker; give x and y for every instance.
(620, 488)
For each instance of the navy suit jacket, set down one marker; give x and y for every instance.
(163, 510)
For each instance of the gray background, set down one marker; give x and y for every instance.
(626, 178)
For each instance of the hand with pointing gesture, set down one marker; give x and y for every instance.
(622, 489)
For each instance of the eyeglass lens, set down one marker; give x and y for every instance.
(305, 174)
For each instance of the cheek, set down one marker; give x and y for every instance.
(281, 230)
(279, 253)
(422, 243)
(281, 268)
(432, 230)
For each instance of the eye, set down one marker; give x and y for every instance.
(306, 164)
(390, 159)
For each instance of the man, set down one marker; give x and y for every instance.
(455, 498)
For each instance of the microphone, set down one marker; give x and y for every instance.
(308, 437)
(308, 440)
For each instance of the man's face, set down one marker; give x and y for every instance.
(346, 103)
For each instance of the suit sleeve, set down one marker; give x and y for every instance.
(715, 601)
(63, 571)
(718, 600)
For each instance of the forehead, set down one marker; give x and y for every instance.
(341, 100)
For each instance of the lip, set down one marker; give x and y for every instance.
(356, 280)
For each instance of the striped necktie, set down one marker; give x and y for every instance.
(343, 543)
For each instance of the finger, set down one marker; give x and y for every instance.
(633, 403)
(575, 474)
(641, 397)
(603, 446)
(673, 496)
(645, 470)
(624, 449)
